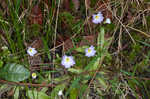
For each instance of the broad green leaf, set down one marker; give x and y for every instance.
(37, 95)
(14, 72)
(60, 79)
(81, 49)
(93, 65)
(73, 70)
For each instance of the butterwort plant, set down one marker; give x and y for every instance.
(31, 51)
(89, 52)
(97, 18)
(67, 61)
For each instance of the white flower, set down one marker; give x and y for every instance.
(97, 18)
(67, 61)
(90, 51)
(108, 21)
(4, 48)
(34, 75)
(31, 51)
(60, 93)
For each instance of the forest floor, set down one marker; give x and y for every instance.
(74, 49)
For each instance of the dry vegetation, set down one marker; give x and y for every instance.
(119, 70)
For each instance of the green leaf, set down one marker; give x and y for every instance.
(73, 93)
(37, 95)
(74, 84)
(100, 41)
(93, 65)
(125, 72)
(144, 43)
(57, 88)
(102, 82)
(73, 70)
(60, 79)
(81, 49)
(18, 2)
(133, 85)
(16, 94)
(14, 72)
(82, 90)
(67, 15)
(1, 63)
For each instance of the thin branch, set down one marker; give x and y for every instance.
(25, 84)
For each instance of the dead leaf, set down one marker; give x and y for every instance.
(87, 40)
(4, 7)
(66, 5)
(76, 4)
(101, 5)
(37, 43)
(66, 40)
(11, 92)
(36, 15)
(35, 60)
(68, 44)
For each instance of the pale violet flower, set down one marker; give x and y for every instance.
(31, 51)
(34, 75)
(90, 51)
(60, 93)
(67, 61)
(108, 21)
(97, 18)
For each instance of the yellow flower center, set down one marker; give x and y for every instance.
(30, 50)
(89, 50)
(67, 59)
(96, 17)
(33, 74)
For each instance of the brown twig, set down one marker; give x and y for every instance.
(141, 78)
(25, 84)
